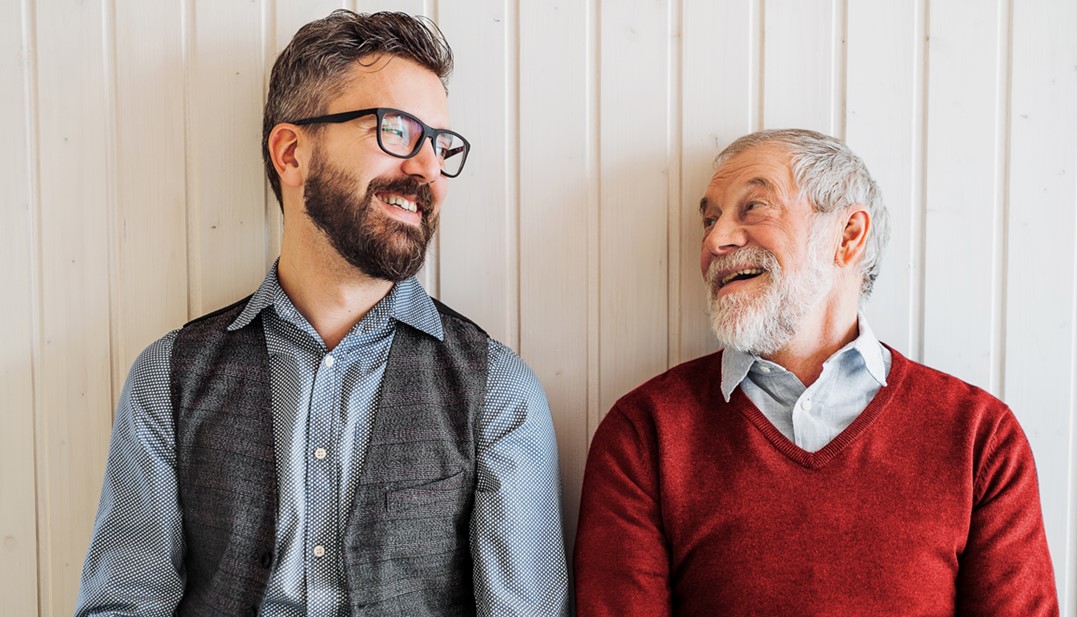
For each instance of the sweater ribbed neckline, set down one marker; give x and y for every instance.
(817, 460)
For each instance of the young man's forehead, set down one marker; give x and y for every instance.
(392, 81)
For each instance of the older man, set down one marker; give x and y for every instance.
(806, 469)
(338, 442)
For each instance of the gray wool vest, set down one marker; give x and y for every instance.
(406, 548)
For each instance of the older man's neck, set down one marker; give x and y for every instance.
(822, 333)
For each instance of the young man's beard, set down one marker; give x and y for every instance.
(763, 322)
(378, 245)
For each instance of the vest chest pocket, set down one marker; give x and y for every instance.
(409, 463)
(419, 520)
(434, 495)
(413, 480)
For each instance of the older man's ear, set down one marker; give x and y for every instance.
(854, 236)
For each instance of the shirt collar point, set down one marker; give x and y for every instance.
(439, 334)
(871, 350)
(262, 298)
(413, 306)
(735, 367)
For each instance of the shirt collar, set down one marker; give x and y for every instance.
(407, 302)
(870, 349)
(736, 363)
(735, 367)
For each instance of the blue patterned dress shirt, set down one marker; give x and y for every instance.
(322, 418)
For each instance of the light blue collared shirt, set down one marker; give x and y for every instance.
(812, 416)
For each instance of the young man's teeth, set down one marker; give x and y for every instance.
(400, 202)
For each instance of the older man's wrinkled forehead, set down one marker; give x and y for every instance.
(762, 169)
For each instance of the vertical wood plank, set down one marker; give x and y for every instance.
(225, 181)
(634, 140)
(718, 99)
(964, 207)
(801, 53)
(150, 234)
(18, 511)
(1041, 270)
(554, 283)
(430, 274)
(289, 17)
(411, 7)
(73, 388)
(479, 262)
(884, 125)
(674, 148)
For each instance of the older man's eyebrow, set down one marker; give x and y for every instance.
(764, 183)
(756, 183)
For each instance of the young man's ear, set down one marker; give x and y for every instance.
(283, 145)
(854, 236)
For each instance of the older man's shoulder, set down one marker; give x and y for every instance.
(687, 386)
(943, 395)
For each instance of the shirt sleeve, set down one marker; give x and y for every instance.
(1005, 568)
(134, 565)
(517, 541)
(622, 556)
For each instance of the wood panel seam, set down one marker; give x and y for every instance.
(1004, 124)
(32, 136)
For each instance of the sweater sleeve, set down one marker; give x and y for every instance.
(621, 555)
(1005, 568)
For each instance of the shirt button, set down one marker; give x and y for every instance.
(319, 551)
(765, 369)
(319, 453)
(805, 404)
(329, 360)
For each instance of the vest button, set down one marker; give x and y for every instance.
(266, 560)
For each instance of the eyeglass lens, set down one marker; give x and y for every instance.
(400, 135)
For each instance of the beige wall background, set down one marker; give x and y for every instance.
(135, 201)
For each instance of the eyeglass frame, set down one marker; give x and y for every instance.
(428, 131)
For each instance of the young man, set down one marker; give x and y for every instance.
(338, 442)
(806, 469)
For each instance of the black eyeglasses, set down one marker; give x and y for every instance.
(402, 135)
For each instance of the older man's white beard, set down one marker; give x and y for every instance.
(762, 323)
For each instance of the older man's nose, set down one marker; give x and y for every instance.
(723, 236)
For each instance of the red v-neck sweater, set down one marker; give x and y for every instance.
(927, 504)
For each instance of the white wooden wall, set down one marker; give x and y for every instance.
(135, 200)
